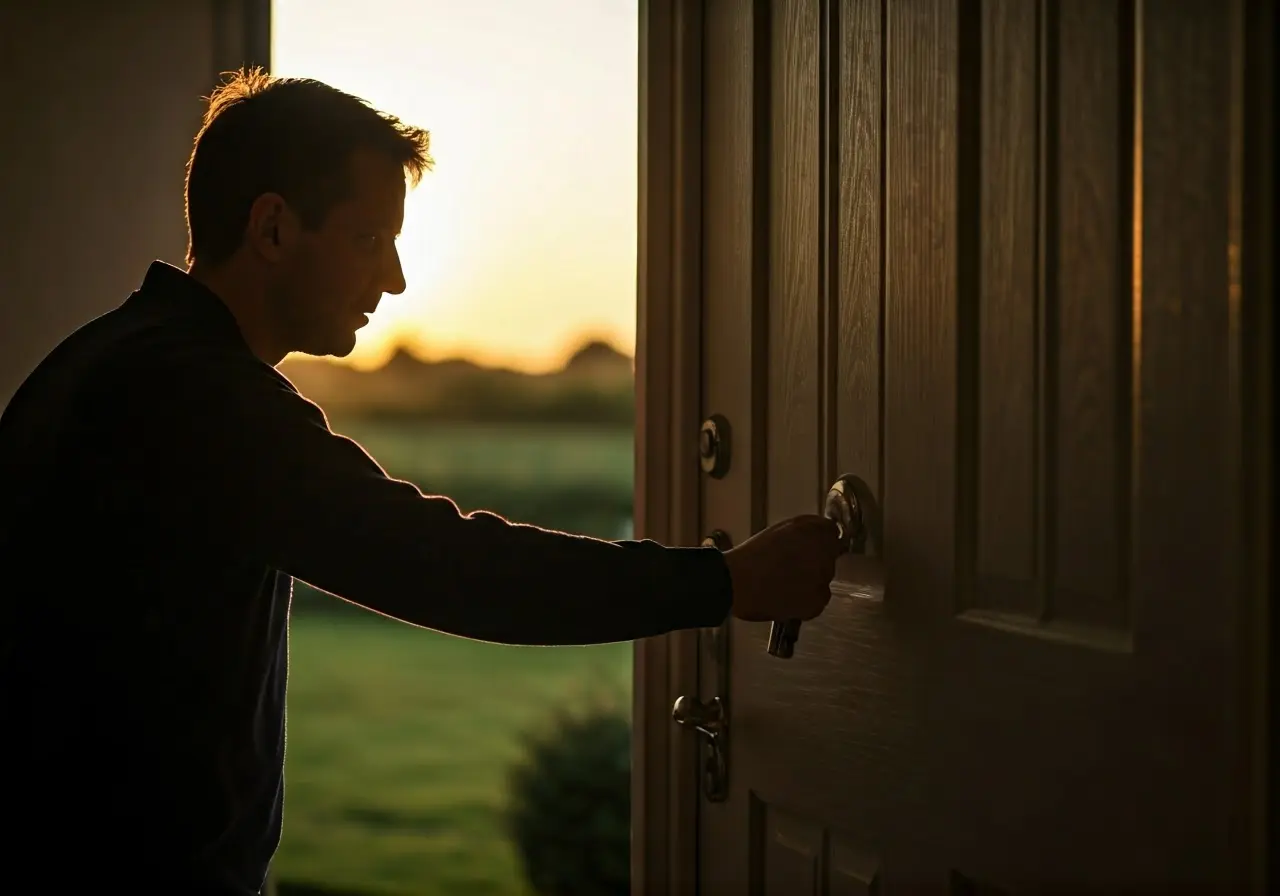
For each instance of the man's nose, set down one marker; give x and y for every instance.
(394, 283)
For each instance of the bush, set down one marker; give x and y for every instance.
(569, 808)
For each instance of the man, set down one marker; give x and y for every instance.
(161, 486)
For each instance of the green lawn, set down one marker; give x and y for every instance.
(577, 478)
(528, 457)
(399, 738)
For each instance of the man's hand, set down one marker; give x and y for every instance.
(785, 571)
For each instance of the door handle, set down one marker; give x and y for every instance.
(844, 507)
(711, 721)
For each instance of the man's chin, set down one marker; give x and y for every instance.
(337, 346)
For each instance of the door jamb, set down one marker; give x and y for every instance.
(664, 790)
(1254, 71)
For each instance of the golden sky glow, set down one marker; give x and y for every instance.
(522, 242)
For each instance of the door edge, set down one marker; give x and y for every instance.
(1255, 29)
(664, 787)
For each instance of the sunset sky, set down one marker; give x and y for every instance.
(522, 243)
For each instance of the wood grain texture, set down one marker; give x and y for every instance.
(859, 252)
(1037, 326)
(794, 261)
(735, 366)
(1091, 310)
(920, 305)
(1009, 299)
(1186, 416)
(665, 777)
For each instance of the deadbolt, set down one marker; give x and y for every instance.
(713, 446)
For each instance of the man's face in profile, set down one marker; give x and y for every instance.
(329, 280)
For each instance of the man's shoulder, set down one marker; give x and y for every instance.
(134, 355)
(190, 374)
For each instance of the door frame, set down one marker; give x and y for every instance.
(664, 789)
(1254, 238)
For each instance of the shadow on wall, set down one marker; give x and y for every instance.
(94, 147)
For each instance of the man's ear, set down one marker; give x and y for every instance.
(271, 226)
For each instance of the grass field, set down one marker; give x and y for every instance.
(527, 457)
(576, 478)
(399, 738)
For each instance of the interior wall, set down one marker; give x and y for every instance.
(103, 100)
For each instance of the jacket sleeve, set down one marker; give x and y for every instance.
(262, 467)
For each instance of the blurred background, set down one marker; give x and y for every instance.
(503, 378)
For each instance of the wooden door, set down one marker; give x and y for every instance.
(984, 256)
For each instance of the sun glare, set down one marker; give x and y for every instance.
(520, 244)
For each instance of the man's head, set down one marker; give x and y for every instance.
(300, 188)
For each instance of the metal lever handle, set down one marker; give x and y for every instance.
(843, 506)
(711, 721)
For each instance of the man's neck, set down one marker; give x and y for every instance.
(245, 298)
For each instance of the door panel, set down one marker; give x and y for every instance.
(1053, 352)
(794, 361)
(930, 260)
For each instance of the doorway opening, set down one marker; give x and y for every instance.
(504, 378)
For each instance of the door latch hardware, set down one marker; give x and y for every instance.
(718, 539)
(843, 507)
(710, 721)
(713, 446)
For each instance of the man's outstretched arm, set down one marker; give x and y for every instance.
(259, 463)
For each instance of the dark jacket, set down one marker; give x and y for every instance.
(160, 489)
